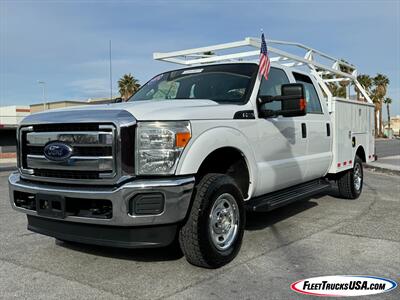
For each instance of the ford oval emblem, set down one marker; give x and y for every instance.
(57, 151)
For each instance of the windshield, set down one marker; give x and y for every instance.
(225, 83)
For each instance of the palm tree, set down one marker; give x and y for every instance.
(333, 86)
(375, 100)
(344, 83)
(338, 89)
(208, 53)
(388, 101)
(365, 81)
(381, 82)
(128, 86)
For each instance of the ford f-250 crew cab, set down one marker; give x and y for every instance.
(192, 150)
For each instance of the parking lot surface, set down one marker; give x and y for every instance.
(386, 147)
(324, 235)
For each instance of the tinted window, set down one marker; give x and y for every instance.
(272, 87)
(225, 83)
(313, 104)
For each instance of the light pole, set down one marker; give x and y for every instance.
(43, 85)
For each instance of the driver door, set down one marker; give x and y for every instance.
(282, 147)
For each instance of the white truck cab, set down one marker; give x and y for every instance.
(192, 150)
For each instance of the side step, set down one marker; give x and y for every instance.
(282, 197)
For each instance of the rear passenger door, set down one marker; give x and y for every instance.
(318, 129)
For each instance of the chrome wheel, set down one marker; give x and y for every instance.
(224, 221)
(357, 177)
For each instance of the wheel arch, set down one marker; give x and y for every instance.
(361, 153)
(219, 144)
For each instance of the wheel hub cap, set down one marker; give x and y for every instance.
(357, 177)
(224, 221)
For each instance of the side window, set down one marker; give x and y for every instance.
(313, 103)
(272, 87)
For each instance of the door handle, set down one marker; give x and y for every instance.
(303, 130)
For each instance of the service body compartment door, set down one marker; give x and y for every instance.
(353, 124)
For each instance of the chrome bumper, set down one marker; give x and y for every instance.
(177, 193)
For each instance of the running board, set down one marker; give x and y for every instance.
(280, 198)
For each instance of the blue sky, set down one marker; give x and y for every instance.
(65, 43)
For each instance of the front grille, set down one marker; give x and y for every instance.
(67, 174)
(80, 151)
(94, 152)
(66, 127)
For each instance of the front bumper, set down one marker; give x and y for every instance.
(103, 235)
(176, 191)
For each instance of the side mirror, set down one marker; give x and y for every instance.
(293, 100)
(118, 100)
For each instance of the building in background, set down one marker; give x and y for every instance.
(55, 105)
(10, 116)
(69, 103)
(394, 126)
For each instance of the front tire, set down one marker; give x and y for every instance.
(351, 182)
(212, 235)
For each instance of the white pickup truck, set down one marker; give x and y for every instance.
(194, 148)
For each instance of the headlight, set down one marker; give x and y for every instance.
(159, 146)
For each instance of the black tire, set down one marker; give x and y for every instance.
(60, 242)
(195, 237)
(348, 188)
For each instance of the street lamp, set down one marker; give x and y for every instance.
(43, 85)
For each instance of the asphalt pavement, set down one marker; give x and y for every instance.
(385, 147)
(388, 152)
(324, 235)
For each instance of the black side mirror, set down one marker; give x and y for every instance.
(118, 100)
(292, 100)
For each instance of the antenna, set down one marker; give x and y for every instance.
(111, 93)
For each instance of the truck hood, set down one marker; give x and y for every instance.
(165, 109)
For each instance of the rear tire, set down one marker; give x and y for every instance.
(212, 235)
(350, 183)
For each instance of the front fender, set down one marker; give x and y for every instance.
(212, 139)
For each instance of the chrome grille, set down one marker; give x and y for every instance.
(102, 140)
(94, 152)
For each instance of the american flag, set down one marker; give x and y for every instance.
(265, 64)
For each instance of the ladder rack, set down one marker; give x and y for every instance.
(318, 63)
